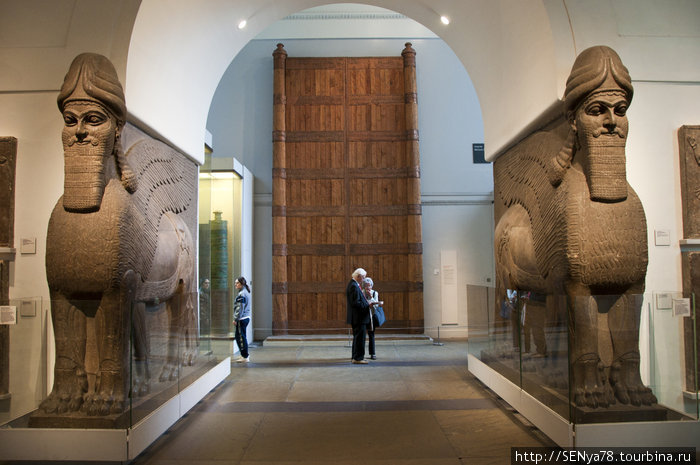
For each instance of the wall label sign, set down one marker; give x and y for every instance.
(478, 153)
(8, 315)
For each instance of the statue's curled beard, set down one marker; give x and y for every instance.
(84, 183)
(605, 166)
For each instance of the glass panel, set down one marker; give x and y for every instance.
(204, 258)
(220, 205)
(693, 368)
(629, 345)
(673, 353)
(544, 349)
(27, 360)
(156, 357)
(494, 332)
(162, 353)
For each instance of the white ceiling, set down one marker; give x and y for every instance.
(343, 21)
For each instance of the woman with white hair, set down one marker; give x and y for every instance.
(372, 297)
(358, 315)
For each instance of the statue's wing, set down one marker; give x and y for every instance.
(166, 182)
(521, 178)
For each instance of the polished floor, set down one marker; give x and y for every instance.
(416, 404)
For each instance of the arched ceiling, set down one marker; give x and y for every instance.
(179, 51)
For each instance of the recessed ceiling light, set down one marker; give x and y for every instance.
(445, 20)
(242, 24)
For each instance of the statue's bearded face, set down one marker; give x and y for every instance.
(601, 127)
(89, 137)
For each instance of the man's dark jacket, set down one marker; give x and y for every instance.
(358, 308)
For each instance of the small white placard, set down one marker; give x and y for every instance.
(662, 237)
(448, 286)
(8, 315)
(681, 307)
(27, 308)
(27, 245)
(664, 301)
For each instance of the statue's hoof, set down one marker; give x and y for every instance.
(106, 407)
(140, 388)
(169, 373)
(50, 404)
(648, 398)
(117, 407)
(75, 403)
(621, 394)
(635, 398)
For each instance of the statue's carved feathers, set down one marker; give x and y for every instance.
(522, 177)
(166, 183)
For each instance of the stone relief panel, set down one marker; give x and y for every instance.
(688, 141)
(8, 163)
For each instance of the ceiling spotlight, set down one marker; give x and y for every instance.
(445, 20)
(242, 24)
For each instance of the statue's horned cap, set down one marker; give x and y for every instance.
(596, 69)
(92, 77)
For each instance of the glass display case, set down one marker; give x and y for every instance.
(165, 369)
(521, 345)
(220, 232)
(176, 351)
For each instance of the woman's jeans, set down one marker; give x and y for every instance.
(241, 337)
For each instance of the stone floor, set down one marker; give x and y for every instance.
(416, 404)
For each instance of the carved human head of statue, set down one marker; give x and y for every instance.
(598, 93)
(92, 102)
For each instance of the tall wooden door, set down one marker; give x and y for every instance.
(346, 190)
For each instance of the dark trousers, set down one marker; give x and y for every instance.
(242, 337)
(370, 335)
(358, 342)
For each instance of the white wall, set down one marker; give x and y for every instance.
(463, 224)
(39, 181)
(653, 169)
(659, 109)
(657, 41)
(38, 185)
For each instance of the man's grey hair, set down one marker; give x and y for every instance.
(359, 272)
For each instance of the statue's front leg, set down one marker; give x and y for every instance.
(112, 330)
(175, 308)
(70, 379)
(191, 334)
(589, 386)
(141, 338)
(623, 321)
